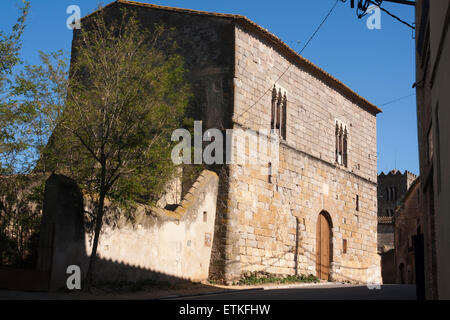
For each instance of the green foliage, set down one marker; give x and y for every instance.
(21, 199)
(127, 94)
(10, 46)
(39, 93)
(257, 278)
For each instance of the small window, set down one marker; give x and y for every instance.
(357, 202)
(270, 172)
(205, 216)
(344, 246)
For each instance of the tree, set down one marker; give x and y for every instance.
(10, 46)
(29, 105)
(39, 92)
(37, 98)
(127, 93)
(21, 199)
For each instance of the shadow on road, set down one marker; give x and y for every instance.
(323, 292)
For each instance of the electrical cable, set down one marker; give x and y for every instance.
(395, 100)
(304, 47)
(353, 113)
(378, 4)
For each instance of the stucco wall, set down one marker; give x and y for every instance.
(162, 244)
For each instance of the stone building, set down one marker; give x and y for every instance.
(392, 187)
(311, 206)
(408, 226)
(433, 115)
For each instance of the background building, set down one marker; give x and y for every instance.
(433, 115)
(408, 226)
(392, 187)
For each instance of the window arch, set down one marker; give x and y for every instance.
(278, 120)
(341, 137)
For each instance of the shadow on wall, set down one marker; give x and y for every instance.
(388, 266)
(161, 245)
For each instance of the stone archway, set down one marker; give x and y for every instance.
(324, 245)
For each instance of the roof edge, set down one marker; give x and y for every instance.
(249, 24)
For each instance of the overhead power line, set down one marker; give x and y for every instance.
(392, 15)
(300, 52)
(306, 45)
(353, 113)
(398, 99)
(363, 5)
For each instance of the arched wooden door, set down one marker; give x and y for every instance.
(323, 254)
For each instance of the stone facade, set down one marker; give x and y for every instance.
(274, 224)
(408, 223)
(392, 187)
(267, 222)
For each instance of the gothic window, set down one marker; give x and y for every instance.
(341, 146)
(279, 101)
(345, 147)
(341, 136)
(337, 142)
(274, 108)
(279, 112)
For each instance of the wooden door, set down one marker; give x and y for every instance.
(323, 235)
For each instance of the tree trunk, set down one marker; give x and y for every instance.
(98, 228)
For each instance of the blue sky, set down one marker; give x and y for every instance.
(377, 64)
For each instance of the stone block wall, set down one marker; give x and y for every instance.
(272, 225)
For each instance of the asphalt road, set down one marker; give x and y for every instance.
(318, 292)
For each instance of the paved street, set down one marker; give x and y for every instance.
(319, 292)
(324, 291)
